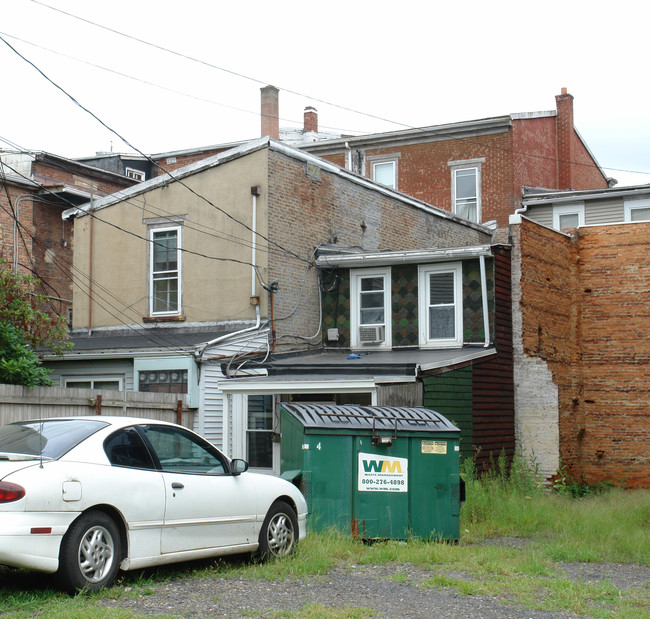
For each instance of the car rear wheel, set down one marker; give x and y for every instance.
(279, 533)
(90, 553)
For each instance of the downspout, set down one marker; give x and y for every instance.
(90, 264)
(255, 191)
(486, 318)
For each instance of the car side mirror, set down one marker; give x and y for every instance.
(238, 466)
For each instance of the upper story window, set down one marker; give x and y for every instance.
(440, 305)
(466, 188)
(384, 169)
(569, 216)
(165, 271)
(637, 210)
(370, 325)
(138, 175)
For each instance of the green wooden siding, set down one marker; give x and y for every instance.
(450, 394)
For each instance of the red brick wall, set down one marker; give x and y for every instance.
(183, 160)
(534, 153)
(424, 173)
(585, 305)
(7, 206)
(45, 246)
(615, 320)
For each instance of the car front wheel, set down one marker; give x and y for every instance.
(90, 553)
(279, 533)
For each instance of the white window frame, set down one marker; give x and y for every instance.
(356, 276)
(423, 304)
(634, 204)
(137, 175)
(380, 160)
(459, 166)
(575, 208)
(68, 382)
(235, 411)
(158, 364)
(179, 270)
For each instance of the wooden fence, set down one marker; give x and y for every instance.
(19, 403)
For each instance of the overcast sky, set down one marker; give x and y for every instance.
(367, 66)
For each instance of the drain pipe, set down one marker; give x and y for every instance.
(90, 264)
(255, 300)
(486, 318)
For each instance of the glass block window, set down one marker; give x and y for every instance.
(163, 381)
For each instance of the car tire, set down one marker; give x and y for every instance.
(90, 553)
(279, 534)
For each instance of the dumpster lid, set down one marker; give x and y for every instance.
(349, 416)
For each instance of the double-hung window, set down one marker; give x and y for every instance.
(384, 173)
(637, 210)
(440, 305)
(466, 188)
(568, 216)
(370, 323)
(384, 169)
(165, 271)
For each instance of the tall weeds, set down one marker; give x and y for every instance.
(611, 525)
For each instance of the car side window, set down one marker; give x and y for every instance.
(126, 448)
(179, 451)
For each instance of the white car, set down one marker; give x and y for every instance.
(83, 497)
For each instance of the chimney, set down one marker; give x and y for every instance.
(311, 120)
(564, 139)
(270, 112)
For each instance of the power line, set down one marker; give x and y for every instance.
(148, 158)
(213, 66)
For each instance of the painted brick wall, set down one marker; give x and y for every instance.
(306, 211)
(582, 362)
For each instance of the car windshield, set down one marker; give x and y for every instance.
(47, 439)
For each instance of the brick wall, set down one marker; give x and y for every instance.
(614, 321)
(8, 197)
(169, 164)
(306, 211)
(581, 362)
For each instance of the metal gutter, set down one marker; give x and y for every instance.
(588, 194)
(415, 256)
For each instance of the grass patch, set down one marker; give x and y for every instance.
(318, 611)
(514, 537)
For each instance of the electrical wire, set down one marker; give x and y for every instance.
(148, 158)
(287, 90)
(213, 66)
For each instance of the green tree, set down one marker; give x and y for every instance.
(25, 327)
(19, 364)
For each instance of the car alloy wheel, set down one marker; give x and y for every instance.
(279, 531)
(90, 553)
(96, 554)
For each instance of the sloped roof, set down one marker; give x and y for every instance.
(251, 147)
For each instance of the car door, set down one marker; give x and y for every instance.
(205, 506)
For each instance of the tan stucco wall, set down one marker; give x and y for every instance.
(213, 289)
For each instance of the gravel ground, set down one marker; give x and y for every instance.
(367, 587)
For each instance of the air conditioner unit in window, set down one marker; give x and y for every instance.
(371, 335)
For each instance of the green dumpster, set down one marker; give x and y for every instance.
(376, 471)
